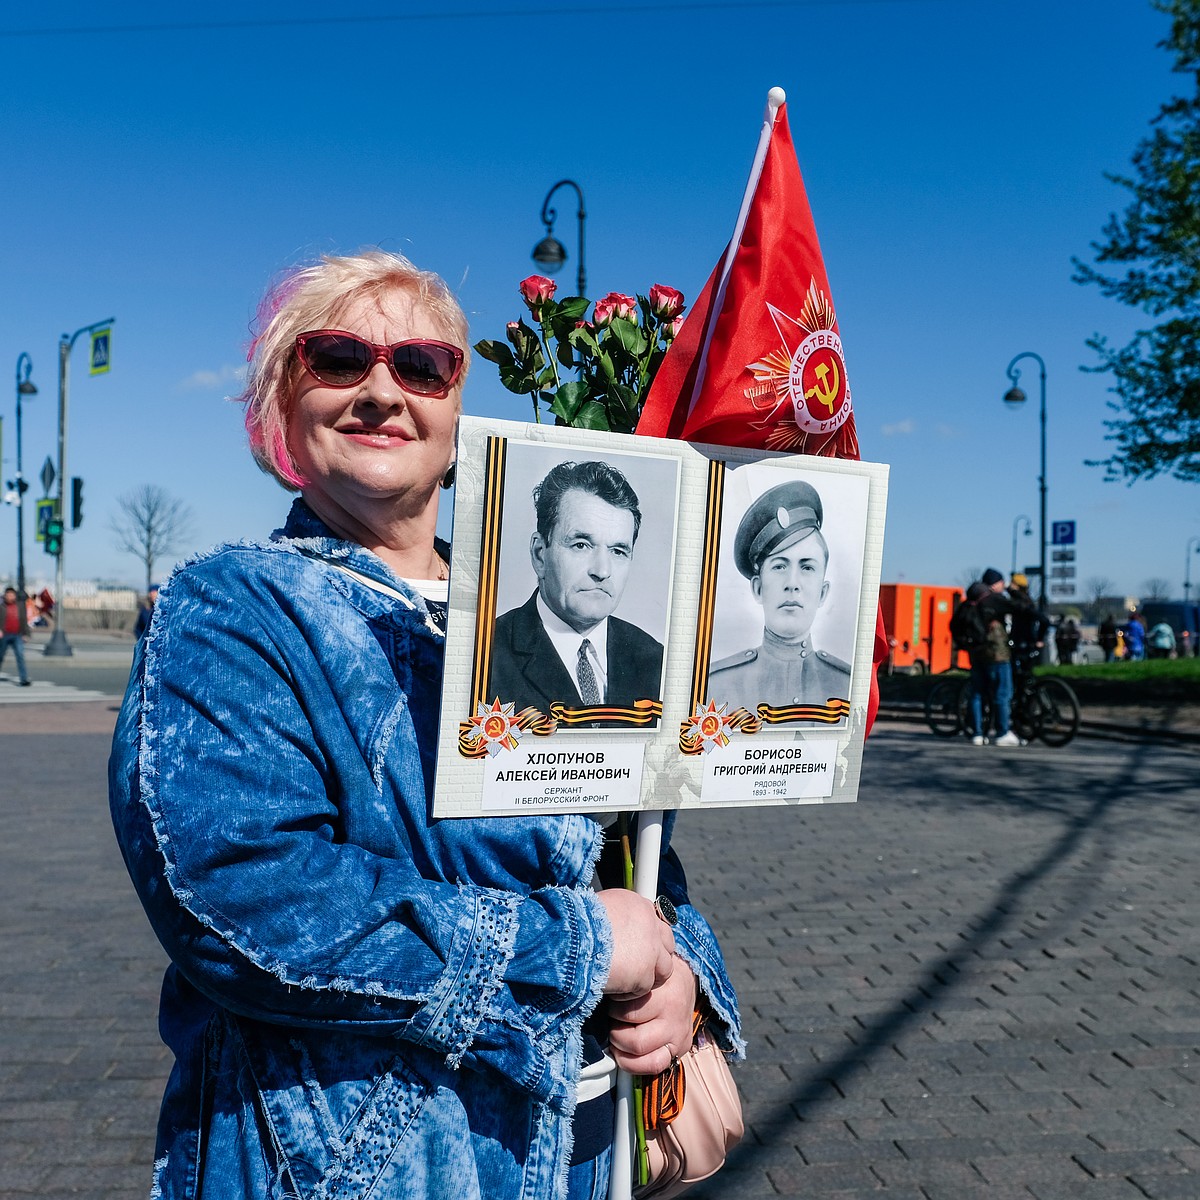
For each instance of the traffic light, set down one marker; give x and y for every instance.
(76, 502)
(54, 536)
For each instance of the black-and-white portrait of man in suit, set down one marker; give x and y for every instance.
(564, 642)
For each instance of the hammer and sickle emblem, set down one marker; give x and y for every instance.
(823, 391)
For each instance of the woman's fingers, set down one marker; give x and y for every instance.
(653, 1063)
(643, 1027)
(643, 945)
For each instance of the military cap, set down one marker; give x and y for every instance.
(779, 518)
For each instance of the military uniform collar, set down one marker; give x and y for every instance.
(776, 647)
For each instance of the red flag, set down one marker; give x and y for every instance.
(759, 360)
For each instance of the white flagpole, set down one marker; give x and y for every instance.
(775, 101)
(645, 883)
(650, 823)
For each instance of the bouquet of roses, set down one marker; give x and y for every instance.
(590, 374)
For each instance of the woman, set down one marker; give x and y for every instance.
(361, 1000)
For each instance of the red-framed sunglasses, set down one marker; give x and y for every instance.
(339, 359)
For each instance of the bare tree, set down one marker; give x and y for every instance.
(1156, 589)
(151, 523)
(969, 576)
(1096, 587)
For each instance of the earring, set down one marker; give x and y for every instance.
(448, 478)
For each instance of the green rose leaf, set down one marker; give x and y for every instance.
(607, 368)
(568, 312)
(516, 379)
(627, 397)
(591, 415)
(584, 341)
(568, 400)
(496, 352)
(630, 336)
(564, 353)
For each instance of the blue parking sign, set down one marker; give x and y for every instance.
(101, 351)
(1062, 533)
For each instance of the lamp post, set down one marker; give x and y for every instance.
(1027, 531)
(1187, 572)
(24, 388)
(1015, 396)
(550, 253)
(58, 646)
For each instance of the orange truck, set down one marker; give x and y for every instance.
(917, 619)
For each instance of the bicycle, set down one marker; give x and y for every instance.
(1041, 708)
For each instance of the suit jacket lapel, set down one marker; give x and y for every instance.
(538, 661)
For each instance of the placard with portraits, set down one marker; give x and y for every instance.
(645, 623)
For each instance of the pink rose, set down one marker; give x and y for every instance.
(622, 305)
(666, 302)
(603, 314)
(536, 290)
(672, 328)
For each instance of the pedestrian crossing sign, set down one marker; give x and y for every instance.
(101, 351)
(45, 514)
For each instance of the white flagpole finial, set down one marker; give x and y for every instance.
(775, 98)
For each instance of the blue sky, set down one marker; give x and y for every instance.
(953, 151)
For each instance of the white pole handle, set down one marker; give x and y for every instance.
(645, 883)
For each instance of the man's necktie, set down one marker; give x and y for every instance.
(589, 690)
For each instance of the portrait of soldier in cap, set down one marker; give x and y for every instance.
(780, 551)
(564, 642)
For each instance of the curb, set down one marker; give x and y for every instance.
(909, 710)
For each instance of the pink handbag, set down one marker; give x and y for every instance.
(693, 1118)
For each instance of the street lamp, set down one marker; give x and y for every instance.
(1016, 397)
(1027, 531)
(550, 253)
(58, 646)
(1187, 574)
(24, 388)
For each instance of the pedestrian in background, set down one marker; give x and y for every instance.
(1066, 640)
(991, 662)
(145, 612)
(1135, 638)
(1160, 641)
(12, 635)
(1028, 627)
(1106, 636)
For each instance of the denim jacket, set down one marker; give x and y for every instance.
(361, 1000)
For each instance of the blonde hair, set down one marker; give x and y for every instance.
(314, 297)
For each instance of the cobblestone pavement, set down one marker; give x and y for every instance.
(979, 981)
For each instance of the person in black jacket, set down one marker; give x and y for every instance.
(1106, 636)
(1029, 627)
(991, 662)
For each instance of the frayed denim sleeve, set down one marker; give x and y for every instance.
(697, 945)
(269, 896)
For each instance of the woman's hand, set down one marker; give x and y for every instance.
(647, 1032)
(643, 944)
